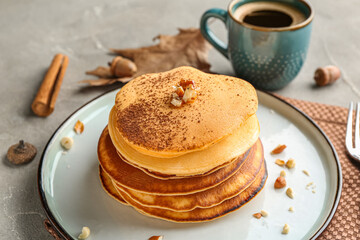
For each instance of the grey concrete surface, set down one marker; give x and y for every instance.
(31, 32)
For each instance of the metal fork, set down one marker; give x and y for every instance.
(354, 151)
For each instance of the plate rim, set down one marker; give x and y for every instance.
(60, 230)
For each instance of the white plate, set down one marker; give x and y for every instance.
(72, 196)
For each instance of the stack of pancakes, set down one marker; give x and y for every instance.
(191, 163)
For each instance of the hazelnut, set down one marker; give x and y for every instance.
(283, 173)
(280, 182)
(326, 75)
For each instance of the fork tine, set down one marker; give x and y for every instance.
(357, 136)
(348, 138)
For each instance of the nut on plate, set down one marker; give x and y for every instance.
(67, 143)
(21, 152)
(280, 182)
(156, 238)
(85, 233)
(257, 215)
(279, 149)
(79, 127)
(283, 173)
(286, 229)
(264, 213)
(280, 162)
(290, 163)
(290, 193)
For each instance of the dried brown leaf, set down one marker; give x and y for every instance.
(99, 82)
(101, 72)
(187, 48)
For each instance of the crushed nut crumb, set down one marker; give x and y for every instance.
(79, 127)
(283, 173)
(264, 213)
(313, 191)
(286, 229)
(279, 149)
(306, 172)
(156, 238)
(290, 193)
(257, 215)
(280, 162)
(85, 233)
(291, 209)
(290, 163)
(66, 142)
(309, 184)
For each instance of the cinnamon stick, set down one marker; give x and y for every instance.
(44, 102)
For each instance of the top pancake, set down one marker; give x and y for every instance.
(150, 124)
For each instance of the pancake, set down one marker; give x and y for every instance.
(133, 178)
(204, 214)
(148, 123)
(205, 199)
(167, 176)
(109, 187)
(194, 163)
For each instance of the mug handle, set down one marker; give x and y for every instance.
(208, 34)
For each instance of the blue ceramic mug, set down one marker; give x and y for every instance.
(267, 40)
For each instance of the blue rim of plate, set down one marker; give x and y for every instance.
(60, 230)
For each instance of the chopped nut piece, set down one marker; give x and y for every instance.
(179, 91)
(176, 102)
(79, 127)
(189, 95)
(280, 162)
(283, 173)
(156, 238)
(286, 229)
(280, 182)
(290, 163)
(67, 142)
(185, 92)
(306, 172)
(278, 149)
(291, 209)
(264, 213)
(257, 215)
(309, 184)
(290, 192)
(313, 191)
(85, 233)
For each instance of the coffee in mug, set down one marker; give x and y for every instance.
(267, 40)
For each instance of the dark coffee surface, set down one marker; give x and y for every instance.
(268, 18)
